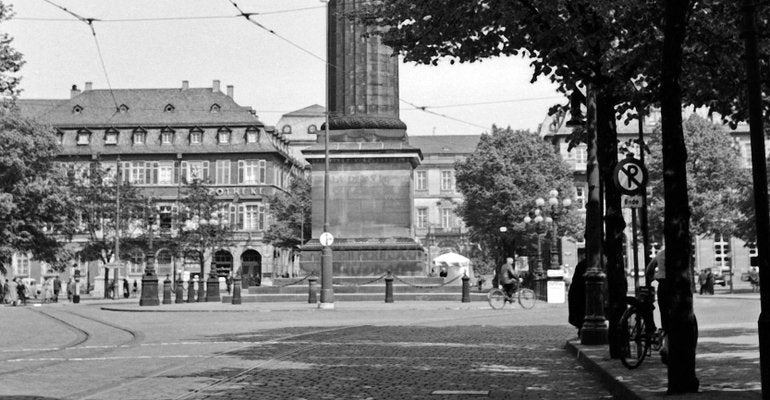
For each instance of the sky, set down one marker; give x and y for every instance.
(275, 73)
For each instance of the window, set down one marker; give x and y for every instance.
(312, 129)
(136, 262)
(123, 109)
(22, 265)
(192, 170)
(251, 135)
(196, 136)
(422, 217)
(139, 136)
(77, 109)
(222, 172)
(83, 138)
(248, 171)
(286, 129)
(167, 136)
(253, 217)
(151, 172)
(164, 261)
(446, 218)
(166, 173)
(133, 172)
(447, 180)
(262, 171)
(223, 136)
(278, 176)
(111, 137)
(721, 253)
(580, 197)
(166, 213)
(215, 108)
(420, 180)
(168, 108)
(60, 137)
(581, 154)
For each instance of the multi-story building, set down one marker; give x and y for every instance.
(161, 139)
(718, 253)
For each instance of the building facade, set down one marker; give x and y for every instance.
(159, 140)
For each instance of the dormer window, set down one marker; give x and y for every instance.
(286, 129)
(312, 129)
(123, 109)
(168, 108)
(77, 109)
(215, 108)
(167, 136)
(252, 135)
(84, 137)
(196, 136)
(59, 137)
(140, 136)
(111, 137)
(223, 136)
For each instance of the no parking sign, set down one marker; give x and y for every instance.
(630, 176)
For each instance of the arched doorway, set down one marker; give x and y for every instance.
(251, 268)
(164, 263)
(223, 263)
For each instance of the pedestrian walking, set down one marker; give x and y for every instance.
(702, 281)
(229, 283)
(47, 290)
(135, 288)
(126, 291)
(709, 281)
(13, 292)
(21, 291)
(576, 297)
(56, 289)
(70, 289)
(6, 292)
(32, 290)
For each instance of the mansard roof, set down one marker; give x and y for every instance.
(146, 107)
(445, 144)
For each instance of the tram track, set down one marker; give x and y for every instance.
(83, 337)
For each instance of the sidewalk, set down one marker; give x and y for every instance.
(727, 363)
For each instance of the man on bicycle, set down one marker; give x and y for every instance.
(509, 278)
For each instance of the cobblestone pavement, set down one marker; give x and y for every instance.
(439, 350)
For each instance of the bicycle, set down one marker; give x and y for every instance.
(498, 298)
(637, 325)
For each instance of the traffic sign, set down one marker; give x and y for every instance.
(631, 201)
(630, 176)
(326, 239)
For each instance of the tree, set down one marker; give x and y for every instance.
(500, 182)
(716, 180)
(37, 209)
(290, 215)
(10, 59)
(103, 220)
(205, 228)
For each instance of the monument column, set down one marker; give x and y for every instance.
(370, 159)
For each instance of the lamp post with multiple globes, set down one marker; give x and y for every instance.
(545, 218)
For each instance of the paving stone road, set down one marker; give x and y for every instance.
(292, 351)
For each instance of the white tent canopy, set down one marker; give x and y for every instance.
(455, 264)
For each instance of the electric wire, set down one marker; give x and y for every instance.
(443, 115)
(179, 18)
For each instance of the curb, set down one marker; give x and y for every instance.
(616, 387)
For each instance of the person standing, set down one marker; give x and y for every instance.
(576, 297)
(13, 292)
(56, 288)
(21, 291)
(656, 270)
(135, 288)
(229, 283)
(126, 290)
(709, 281)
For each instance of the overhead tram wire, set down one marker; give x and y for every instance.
(162, 19)
(425, 109)
(90, 23)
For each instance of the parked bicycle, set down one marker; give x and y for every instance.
(637, 325)
(498, 298)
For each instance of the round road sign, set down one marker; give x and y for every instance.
(630, 176)
(326, 239)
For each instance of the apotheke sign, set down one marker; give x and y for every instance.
(240, 191)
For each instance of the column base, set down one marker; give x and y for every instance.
(149, 291)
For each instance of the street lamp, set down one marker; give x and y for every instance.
(150, 280)
(546, 218)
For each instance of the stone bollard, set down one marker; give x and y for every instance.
(191, 290)
(312, 289)
(179, 291)
(212, 288)
(389, 288)
(236, 290)
(466, 289)
(201, 290)
(167, 291)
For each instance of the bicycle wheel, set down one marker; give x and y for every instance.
(636, 338)
(496, 298)
(527, 298)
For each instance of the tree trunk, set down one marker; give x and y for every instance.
(683, 326)
(617, 285)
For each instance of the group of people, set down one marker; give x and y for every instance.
(706, 281)
(16, 292)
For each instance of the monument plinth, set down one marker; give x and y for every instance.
(370, 159)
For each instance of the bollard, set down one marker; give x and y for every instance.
(212, 287)
(201, 289)
(466, 289)
(167, 291)
(179, 291)
(236, 290)
(389, 288)
(191, 290)
(312, 283)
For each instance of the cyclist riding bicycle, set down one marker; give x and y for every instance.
(509, 278)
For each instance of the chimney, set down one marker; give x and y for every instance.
(215, 85)
(89, 86)
(230, 90)
(74, 91)
(185, 85)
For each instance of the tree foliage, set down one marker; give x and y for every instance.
(500, 182)
(205, 226)
(10, 59)
(716, 180)
(36, 206)
(290, 215)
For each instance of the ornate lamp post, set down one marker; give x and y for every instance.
(212, 226)
(545, 218)
(551, 219)
(150, 280)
